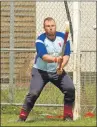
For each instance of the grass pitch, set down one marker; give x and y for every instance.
(38, 117)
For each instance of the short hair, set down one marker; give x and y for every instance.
(48, 19)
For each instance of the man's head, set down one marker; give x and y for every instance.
(50, 27)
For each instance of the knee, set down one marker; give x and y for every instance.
(33, 94)
(70, 94)
(70, 90)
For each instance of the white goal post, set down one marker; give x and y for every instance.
(76, 54)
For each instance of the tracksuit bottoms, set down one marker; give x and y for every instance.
(39, 79)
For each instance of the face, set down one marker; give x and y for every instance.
(50, 27)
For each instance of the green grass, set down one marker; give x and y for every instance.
(37, 117)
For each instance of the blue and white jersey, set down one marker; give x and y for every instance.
(53, 48)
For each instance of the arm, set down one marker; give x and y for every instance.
(43, 54)
(65, 61)
(48, 58)
(51, 59)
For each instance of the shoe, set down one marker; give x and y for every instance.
(68, 118)
(20, 120)
(22, 116)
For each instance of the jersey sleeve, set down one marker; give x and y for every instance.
(67, 48)
(40, 47)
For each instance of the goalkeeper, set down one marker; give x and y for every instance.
(49, 47)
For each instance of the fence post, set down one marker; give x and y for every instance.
(11, 54)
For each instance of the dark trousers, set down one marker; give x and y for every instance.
(40, 79)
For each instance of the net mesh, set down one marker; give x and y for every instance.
(28, 24)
